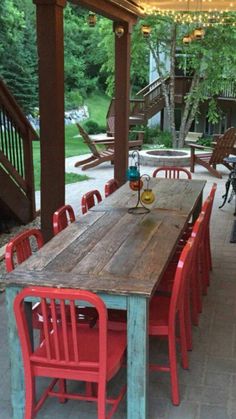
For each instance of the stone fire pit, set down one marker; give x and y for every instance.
(165, 157)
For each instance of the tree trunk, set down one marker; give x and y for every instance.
(190, 109)
(168, 89)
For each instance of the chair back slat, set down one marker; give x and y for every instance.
(55, 328)
(74, 331)
(172, 172)
(46, 328)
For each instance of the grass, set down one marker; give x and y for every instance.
(74, 146)
(98, 105)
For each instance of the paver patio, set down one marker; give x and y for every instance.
(208, 389)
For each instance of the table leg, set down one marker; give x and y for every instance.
(197, 209)
(17, 376)
(138, 350)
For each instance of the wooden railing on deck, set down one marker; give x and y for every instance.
(16, 136)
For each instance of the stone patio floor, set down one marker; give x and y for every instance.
(208, 388)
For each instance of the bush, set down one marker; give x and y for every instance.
(92, 127)
(73, 100)
(157, 137)
(205, 141)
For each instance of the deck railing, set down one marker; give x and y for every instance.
(16, 136)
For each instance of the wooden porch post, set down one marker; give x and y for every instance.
(122, 105)
(50, 38)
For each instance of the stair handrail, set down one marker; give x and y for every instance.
(16, 136)
(13, 109)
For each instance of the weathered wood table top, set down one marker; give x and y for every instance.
(109, 250)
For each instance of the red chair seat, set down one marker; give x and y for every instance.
(88, 344)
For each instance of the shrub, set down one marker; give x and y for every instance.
(157, 137)
(73, 100)
(205, 141)
(92, 127)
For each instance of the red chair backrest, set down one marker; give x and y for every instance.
(172, 172)
(208, 204)
(182, 276)
(20, 247)
(62, 333)
(62, 217)
(88, 200)
(110, 187)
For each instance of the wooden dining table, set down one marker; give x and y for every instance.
(120, 256)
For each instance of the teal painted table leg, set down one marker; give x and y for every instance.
(137, 358)
(17, 377)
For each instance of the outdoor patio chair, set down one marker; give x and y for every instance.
(69, 351)
(110, 187)
(17, 251)
(223, 147)
(207, 259)
(19, 248)
(97, 156)
(165, 312)
(89, 199)
(62, 218)
(172, 172)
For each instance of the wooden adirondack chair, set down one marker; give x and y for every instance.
(222, 148)
(97, 156)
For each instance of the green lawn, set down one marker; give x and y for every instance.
(74, 146)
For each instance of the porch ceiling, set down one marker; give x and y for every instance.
(145, 6)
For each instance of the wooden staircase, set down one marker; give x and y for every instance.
(150, 100)
(17, 197)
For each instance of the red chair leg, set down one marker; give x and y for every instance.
(173, 370)
(29, 397)
(183, 341)
(62, 389)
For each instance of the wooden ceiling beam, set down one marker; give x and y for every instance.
(108, 9)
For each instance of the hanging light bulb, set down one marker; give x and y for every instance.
(92, 20)
(198, 33)
(146, 30)
(119, 31)
(187, 39)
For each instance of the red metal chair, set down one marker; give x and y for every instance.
(207, 236)
(88, 200)
(110, 187)
(20, 247)
(17, 251)
(172, 172)
(164, 313)
(62, 218)
(69, 350)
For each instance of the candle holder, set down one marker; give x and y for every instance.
(136, 184)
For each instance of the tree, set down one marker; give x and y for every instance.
(18, 51)
(139, 58)
(211, 62)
